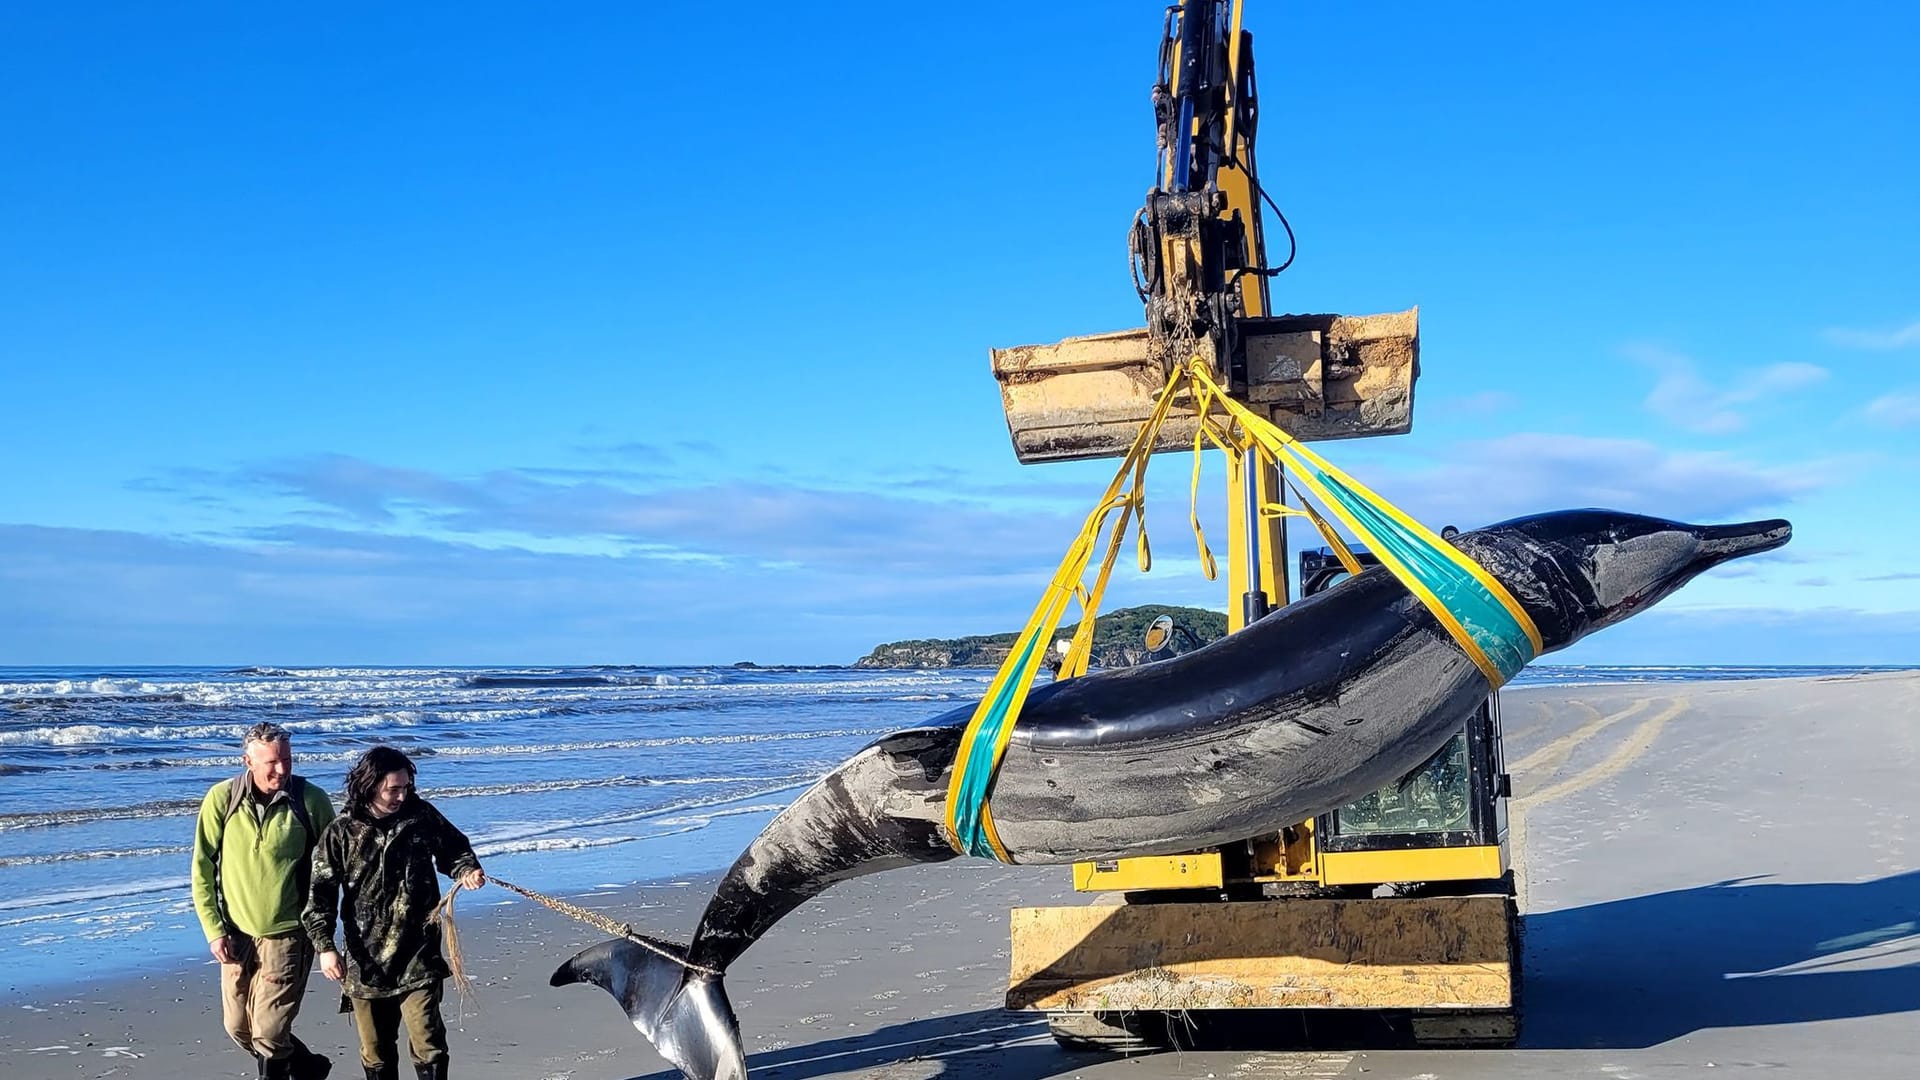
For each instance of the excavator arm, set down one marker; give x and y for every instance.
(1200, 266)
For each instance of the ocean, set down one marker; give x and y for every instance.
(566, 779)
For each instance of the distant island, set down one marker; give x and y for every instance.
(1118, 641)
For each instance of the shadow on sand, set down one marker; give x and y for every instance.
(993, 1042)
(1642, 971)
(1625, 974)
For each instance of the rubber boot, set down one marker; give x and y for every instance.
(382, 1072)
(307, 1065)
(276, 1068)
(435, 1071)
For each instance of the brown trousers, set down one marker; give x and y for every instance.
(378, 1021)
(260, 995)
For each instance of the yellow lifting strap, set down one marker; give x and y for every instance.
(969, 821)
(1476, 610)
(1491, 627)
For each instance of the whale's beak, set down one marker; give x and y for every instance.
(1718, 543)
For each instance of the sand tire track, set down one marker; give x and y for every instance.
(1613, 764)
(1555, 754)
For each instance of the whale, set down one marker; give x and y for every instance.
(1297, 714)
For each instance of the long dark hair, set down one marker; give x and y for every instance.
(364, 778)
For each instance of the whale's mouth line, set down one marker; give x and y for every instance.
(1718, 543)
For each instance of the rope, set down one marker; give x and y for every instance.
(456, 960)
(591, 918)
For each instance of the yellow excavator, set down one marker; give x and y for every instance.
(1401, 905)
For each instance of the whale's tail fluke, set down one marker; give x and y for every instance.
(683, 1012)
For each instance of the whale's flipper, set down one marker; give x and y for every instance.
(684, 1013)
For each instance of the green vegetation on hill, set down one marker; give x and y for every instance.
(1118, 640)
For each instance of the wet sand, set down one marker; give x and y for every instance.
(1717, 876)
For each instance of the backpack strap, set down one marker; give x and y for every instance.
(296, 800)
(236, 792)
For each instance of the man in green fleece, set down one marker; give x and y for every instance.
(251, 864)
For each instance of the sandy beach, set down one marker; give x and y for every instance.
(1716, 876)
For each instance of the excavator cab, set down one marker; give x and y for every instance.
(1445, 820)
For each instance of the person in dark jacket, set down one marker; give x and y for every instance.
(375, 870)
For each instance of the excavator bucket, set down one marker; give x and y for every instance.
(1316, 376)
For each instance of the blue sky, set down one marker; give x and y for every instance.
(480, 334)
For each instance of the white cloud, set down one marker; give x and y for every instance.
(1476, 483)
(1685, 399)
(370, 562)
(1898, 409)
(1900, 338)
(902, 526)
(317, 595)
(566, 565)
(1833, 635)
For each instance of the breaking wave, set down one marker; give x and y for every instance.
(530, 681)
(548, 828)
(120, 734)
(164, 808)
(81, 701)
(541, 787)
(216, 761)
(94, 893)
(87, 856)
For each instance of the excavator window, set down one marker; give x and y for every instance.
(1436, 797)
(1447, 799)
